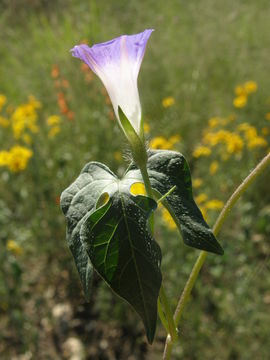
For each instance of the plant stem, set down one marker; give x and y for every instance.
(162, 316)
(168, 348)
(166, 195)
(168, 312)
(203, 254)
(149, 192)
(189, 285)
(146, 181)
(239, 191)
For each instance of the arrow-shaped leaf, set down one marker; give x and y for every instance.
(167, 169)
(123, 252)
(115, 238)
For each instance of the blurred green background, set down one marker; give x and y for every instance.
(205, 92)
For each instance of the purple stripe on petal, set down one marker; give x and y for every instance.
(136, 45)
(97, 56)
(117, 62)
(83, 52)
(110, 52)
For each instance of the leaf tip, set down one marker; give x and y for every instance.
(219, 249)
(150, 337)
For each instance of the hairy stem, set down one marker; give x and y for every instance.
(162, 316)
(189, 285)
(169, 315)
(146, 181)
(203, 254)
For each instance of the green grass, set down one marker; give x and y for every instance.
(199, 52)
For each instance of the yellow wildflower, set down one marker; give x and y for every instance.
(249, 131)
(213, 122)
(204, 212)
(265, 131)
(54, 131)
(4, 122)
(18, 158)
(250, 87)
(14, 247)
(213, 167)
(117, 155)
(34, 102)
(138, 189)
(240, 90)
(18, 128)
(214, 204)
(267, 116)
(174, 139)
(257, 141)
(53, 120)
(25, 117)
(168, 101)
(146, 128)
(240, 101)
(196, 183)
(201, 151)
(166, 216)
(233, 141)
(244, 127)
(214, 138)
(234, 144)
(3, 100)
(4, 158)
(251, 135)
(201, 198)
(160, 142)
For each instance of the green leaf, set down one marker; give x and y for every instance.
(137, 144)
(167, 169)
(77, 201)
(123, 252)
(115, 237)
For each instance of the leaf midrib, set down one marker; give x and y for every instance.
(134, 259)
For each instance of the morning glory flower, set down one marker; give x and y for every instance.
(117, 63)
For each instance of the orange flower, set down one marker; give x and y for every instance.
(62, 103)
(84, 67)
(55, 71)
(111, 115)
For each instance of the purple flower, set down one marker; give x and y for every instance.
(117, 63)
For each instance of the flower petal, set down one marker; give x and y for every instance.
(117, 63)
